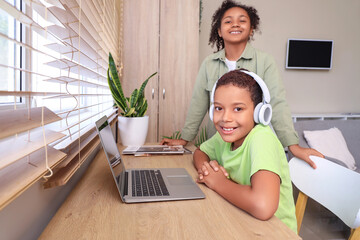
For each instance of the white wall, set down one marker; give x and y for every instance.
(308, 91)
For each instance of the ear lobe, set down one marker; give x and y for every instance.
(219, 33)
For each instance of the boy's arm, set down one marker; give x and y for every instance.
(199, 159)
(260, 199)
(202, 162)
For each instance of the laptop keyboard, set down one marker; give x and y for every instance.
(148, 183)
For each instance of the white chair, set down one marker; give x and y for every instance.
(335, 187)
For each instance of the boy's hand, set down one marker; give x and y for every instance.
(213, 165)
(212, 178)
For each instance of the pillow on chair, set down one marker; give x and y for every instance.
(331, 143)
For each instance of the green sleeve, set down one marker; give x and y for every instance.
(211, 146)
(199, 106)
(281, 117)
(265, 153)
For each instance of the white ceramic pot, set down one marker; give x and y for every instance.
(133, 130)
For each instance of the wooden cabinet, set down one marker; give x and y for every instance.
(162, 36)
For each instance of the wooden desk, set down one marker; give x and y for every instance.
(94, 210)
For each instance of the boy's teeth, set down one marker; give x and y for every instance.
(228, 129)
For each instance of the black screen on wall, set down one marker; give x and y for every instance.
(309, 54)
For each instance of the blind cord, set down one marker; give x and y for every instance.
(46, 177)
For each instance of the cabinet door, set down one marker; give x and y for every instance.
(179, 61)
(162, 36)
(141, 54)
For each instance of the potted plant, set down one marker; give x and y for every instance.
(133, 124)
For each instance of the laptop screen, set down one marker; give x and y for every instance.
(112, 153)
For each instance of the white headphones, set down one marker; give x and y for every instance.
(262, 111)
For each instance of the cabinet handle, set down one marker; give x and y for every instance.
(163, 93)
(152, 93)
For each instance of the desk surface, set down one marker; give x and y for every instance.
(94, 210)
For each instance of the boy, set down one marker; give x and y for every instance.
(254, 173)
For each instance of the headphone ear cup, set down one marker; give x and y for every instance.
(257, 111)
(211, 109)
(265, 114)
(211, 112)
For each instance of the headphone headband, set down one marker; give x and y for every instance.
(264, 89)
(262, 111)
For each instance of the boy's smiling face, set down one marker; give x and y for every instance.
(233, 113)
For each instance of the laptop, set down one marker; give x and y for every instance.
(148, 150)
(145, 185)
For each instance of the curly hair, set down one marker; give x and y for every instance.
(215, 39)
(242, 80)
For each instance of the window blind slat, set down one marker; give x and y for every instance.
(74, 159)
(74, 81)
(92, 59)
(27, 93)
(73, 152)
(77, 95)
(88, 106)
(43, 12)
(12, 11)
(55, 3)
(14, 149)
(76, 68)
(63, 175)
(69, 140)
(17, 121)
(19, 176)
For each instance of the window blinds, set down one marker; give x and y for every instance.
(55, 87)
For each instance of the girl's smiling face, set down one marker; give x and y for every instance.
(235, 26)
(233, 113)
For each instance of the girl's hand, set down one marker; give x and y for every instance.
(173, 142)
(304, 154)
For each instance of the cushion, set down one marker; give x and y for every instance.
(331, 143)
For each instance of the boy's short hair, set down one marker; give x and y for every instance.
(240, 79)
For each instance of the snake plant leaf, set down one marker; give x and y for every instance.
(115, 78)
(115, 93)
(143, 109)
(129, 112)
(134, 98)
(140, 102)
(142, 106)
(141, 90)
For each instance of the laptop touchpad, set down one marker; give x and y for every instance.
(179, 180)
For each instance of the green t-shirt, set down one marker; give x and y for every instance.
(261, 150)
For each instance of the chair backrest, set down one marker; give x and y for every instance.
(333, 186)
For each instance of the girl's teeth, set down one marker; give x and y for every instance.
(228, 129)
